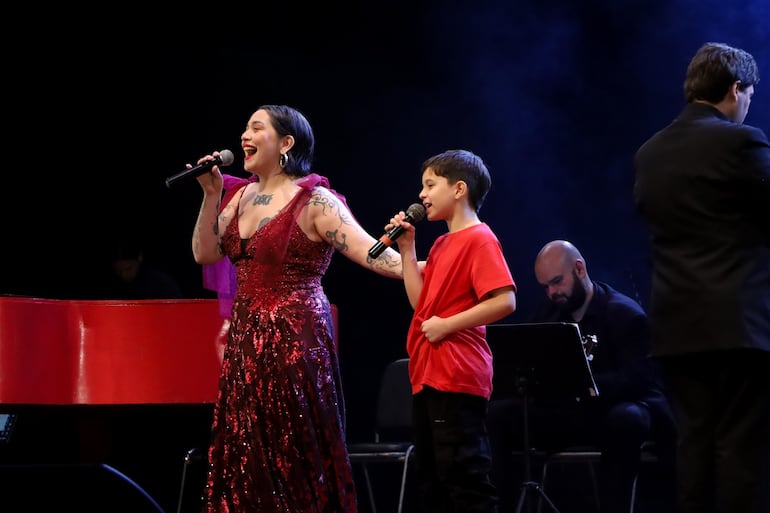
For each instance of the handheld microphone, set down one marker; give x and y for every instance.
(225, 158)
(415, 213)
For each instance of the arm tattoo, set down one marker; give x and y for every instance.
(221, 216)
(340, 243)
(329, 205)
(388, 263)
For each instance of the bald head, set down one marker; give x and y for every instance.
(561, 271)
(558, 253)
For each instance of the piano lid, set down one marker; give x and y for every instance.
(108, 352)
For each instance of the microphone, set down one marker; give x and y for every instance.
(415, 213)
(225, 158)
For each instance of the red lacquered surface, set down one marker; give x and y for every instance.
(108, 352)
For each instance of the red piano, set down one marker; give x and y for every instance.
(99, 385)
(69, 352)
(129, 384)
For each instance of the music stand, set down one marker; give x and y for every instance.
(544, 360)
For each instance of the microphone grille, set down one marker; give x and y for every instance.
(227, 157)
(416, 211)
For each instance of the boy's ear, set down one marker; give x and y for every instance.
(461, 188)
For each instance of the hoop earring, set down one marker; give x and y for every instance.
(283, 160)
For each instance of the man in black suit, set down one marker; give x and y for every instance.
(702, 186)
(631, 407)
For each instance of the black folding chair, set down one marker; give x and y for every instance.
(392, 441)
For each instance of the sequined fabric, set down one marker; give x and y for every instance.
(278, 429)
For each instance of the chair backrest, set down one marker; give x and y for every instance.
(394, 403)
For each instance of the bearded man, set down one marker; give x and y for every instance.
(630, 408)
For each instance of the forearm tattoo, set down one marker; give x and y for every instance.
(387, 263)
(220, 217)
(196, 239)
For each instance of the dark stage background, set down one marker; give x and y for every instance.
(554, 95)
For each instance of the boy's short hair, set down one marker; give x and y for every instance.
(456, 165)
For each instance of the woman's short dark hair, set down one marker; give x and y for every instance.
(289, 121)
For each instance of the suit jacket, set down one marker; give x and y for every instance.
(702, 186)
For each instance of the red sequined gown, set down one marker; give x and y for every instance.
(278, 441)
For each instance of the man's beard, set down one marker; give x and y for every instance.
(576, 298)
